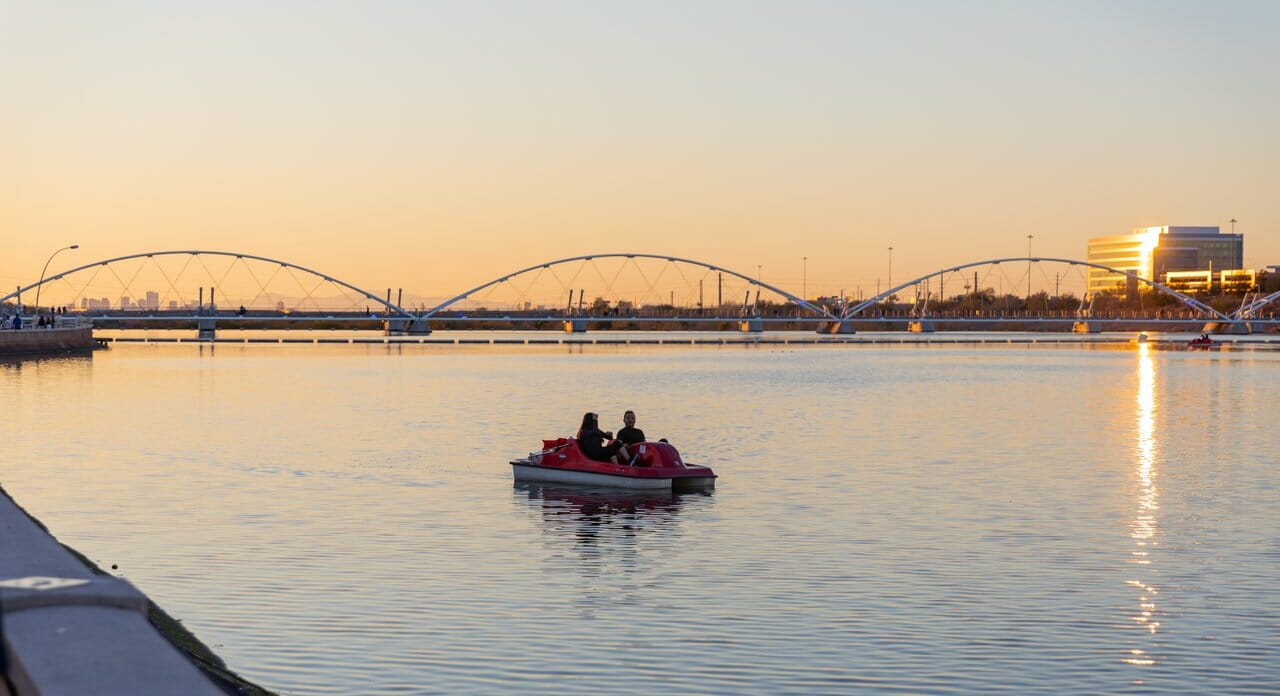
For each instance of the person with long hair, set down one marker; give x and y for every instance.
(598, 444)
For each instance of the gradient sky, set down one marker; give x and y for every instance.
(436, 145)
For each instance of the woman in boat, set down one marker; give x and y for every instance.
(591, 440)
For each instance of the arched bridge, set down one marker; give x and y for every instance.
(627, 290)
(692, 290)
(921, 297)
(177, 274)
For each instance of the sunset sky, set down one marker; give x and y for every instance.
(436, 145)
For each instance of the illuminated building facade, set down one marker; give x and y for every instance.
(1151, 252)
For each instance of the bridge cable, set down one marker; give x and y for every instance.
(123, 287)
(310, 294)
(610, 284)
(173, 285)
(523, 294)
(576, 273)
(136, 273)
(551, 268)
(96, 271)
(688, 296)
(212, 278)
(261, 288)
(487, 293)
(645, 277)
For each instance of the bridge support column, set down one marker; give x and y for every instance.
(920, 326)
(751, 325)
(1086, 327)
(575, 325)
(836, 327)
(419, 327)
(206, 329)
(1239, 328)
(395, 327)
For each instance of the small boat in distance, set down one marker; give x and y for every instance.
(1202, 342)
(657, 465)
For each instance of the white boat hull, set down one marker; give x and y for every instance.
(586, 478)
(529, 472)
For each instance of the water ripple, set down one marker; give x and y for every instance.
(924, 521)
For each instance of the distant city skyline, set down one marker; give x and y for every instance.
(434, 147)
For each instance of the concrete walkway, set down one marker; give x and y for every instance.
(71, 338)
(65, 630)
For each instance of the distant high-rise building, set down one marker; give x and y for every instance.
(125, 302)
(153, 300)
(1151, 252)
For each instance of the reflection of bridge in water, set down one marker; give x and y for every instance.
(167, 289)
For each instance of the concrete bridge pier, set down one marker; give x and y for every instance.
(836, 327)
(920, 326)
(751, 325)
(399, 326)
(206, 328)
(575, 325)
(1237, 328)
(1086, 327)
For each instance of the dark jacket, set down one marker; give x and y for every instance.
(591, 442)
(631, 436)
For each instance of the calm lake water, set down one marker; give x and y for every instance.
(915, 519)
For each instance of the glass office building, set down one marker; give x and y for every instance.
(1151, 252)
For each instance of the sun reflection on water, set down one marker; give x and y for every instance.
(1144, 527)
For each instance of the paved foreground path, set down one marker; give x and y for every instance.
(66, 630)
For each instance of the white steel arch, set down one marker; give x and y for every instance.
(1250, 311)
(587, 257)
(1193, 303)
(198, 252)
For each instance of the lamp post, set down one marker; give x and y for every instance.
(804, 288)
(46, 267)
(889, 281)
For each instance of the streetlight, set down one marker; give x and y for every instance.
(804, 291)
(46, 267)
(890, 279)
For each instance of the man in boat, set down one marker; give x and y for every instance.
(630, 434)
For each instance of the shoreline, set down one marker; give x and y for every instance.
(171, 630)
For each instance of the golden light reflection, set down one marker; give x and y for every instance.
(1144, 528)
(1150, 240)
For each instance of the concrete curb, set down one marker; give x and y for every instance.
(66, 630)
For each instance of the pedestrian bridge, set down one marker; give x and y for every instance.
(616, 290)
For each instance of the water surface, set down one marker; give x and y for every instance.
(916, 519)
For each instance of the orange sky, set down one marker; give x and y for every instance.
(435, 146)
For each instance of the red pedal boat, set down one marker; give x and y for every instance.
(658, 466)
